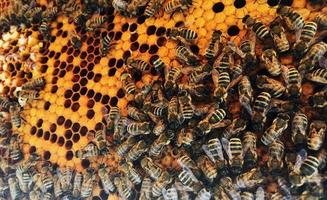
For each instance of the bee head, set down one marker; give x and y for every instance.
(299, 49)
(294, 91)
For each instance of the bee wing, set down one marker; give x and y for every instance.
(215, 76)
(223, 123)
(285, 71)
(301, 156)
(226, 145)
(209, 154)
(260, 194)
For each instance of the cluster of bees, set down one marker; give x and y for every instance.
(189, 115)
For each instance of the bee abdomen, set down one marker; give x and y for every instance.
(309, 166)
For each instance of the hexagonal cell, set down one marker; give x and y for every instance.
(68, 144)
(46, 155)
(83, 131)
(61, 141)
(76, 138)
(75, 107)
(69, 155)
(53, 138)
(39, 133)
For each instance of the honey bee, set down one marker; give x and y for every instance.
(128, 83)
(225, 60)
(75, 40)
(257, 27)
(77, 184)
(173, 112)
(50, 13)
(15, 152)
(57, 190)
(164, 180)
(120, 130)
(199, 74)
(80, 19)
(227, 184)
(124, 147)
(139, 128)
(45, 29)
(4, 188)
(141, 95)
(25, 96)
(136, 114)
(283, 185)
(299, 127)
(120, 6)
(131, 173)
(314, 54)
(5, 103)
(305, 39)
(319, 99)
(15, 192)
(124, 187)
(214, 151)
(279, 124)
(65, 178)
(186, 107)
(207, 167)
(35, 84)
(184, 33)
(95, 22)
(4, 128)
(249, 179)
(24, 178)
(104, 175)
(276, 154)
(213, 47)
(293, 81)
(152, 169)
(158, 64)
(186, 162)
(106, 45)
(174, 74)
(279, 37)
(271, 62)
(134, 6)
(187, 178)
(88, 183)
(318, 75)
(245, 92)
(247, 196)
(137, 64)
(249, 143)
(158, 145)
(234, 151)
(221, 82)
(321, 20)
(316, 135)
(273, 87)
(46, 177)
(153, 7)
(293, 20)
(170, 193)
(309, 166)
(137, 151)
(203, 194)
(145, 191)
(260, 109)
(35, 194)
(90, 150)
(177, 5)
(213, 120)
(186, 56)
(247, 46)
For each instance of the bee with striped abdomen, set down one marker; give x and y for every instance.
(99, 138)
(145, 191)
(158, 64)
(131, 173)
(293, 20)
(15, 192)
(120, 6)
(321, 20)
(213, 46)
(77, 184)
(229, 188)
(279, 37)
(245, 93)
(278, 126)
(299, 127)
(139, 128)
(260, 109)
(187, 178)
(203, 194)
(136, 114)
(207, 167)
(124, 187)
(273, 87)
(235, 154)
(153, 7)
(236, 127)
(106, 45)
(309, 166)
(138, 64)
(257, 27)
(128, 83)
(151, 168)
(305, 39)
(124, 147)
(159, 185)
(186, 56)
(158, 145)
(177, 5)
(50, 13)
(111, 117)
(159, 123)
(276, 153)
(315, 53)
(46, 177)
(182, 33)
(75, 40)
(95, 22)
(137, 151)
(198, 74)
(45, 29)
(143, 94)
(249, 143)
(283, 186)
(120, 129)
(186, 108)
(317, 75)
(214, 150)
(316, 136)
(90, 150)
(15, 117)
(170, 193)
(293, 81)
(271, 62)
(15, 152)
(80, 19)
(24, 177)
(65, 178)
(134, 6)
(88, 183)
(212, 120)
(4, 128)
(105, 178)
(247, 46)
(5, 103)
(186, 162)
(221, 82)
(35, 84)
(173, 112)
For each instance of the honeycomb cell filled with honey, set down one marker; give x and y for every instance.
(82, 85)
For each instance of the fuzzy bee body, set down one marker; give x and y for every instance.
(299, 126)
(261, 107)
(65, 178)
(275, 88)
(136, 114)
(138, 64)
(303, 44)
(318, 75)
(314, 54)
(319, 99)
(77, 184)
(44, 29)
(279, 124)
(152, 169)
(187, 178)
(249, 179)
(15, 118)
(120, 6)
(221, 83)
(316, 135)
(95, 22)
(161, 184)
(207, 167)
(124, 188)
(245, 92)
(212, 49)
(153, 7)
(106, 45)
(90, 150)
(88, 183)
(293, 81)
(186, 108)
(203, 194)
(309, 166)
(128, 83)
(145, 191)
(139, 128)
(249, 143)
(158, 64)
(235, 153)
(187, 34)
(177, 5)
(123, 148)
(132, 173)
(158, 145)
(35, 84)
(293, 20)
(15, 192)
(321, 20)
(5, 103)
(271, 62)
(106, 181)
(173, 111)
(257, 27)
(280, 39)
(50, 13)
(136, 151)
(276, 154)
(186, 56)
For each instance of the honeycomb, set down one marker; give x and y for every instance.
(80, 84)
